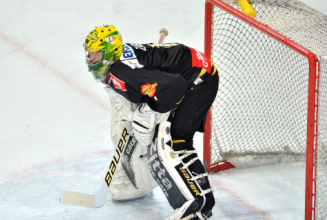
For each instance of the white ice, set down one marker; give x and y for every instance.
(55, 119)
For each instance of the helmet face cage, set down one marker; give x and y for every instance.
(106, 42)
(92, 55)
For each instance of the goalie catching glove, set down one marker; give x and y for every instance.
(144, 121)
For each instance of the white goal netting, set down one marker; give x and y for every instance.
(261, 112)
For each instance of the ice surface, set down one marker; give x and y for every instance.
(55, 120)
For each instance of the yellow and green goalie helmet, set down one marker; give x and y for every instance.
(102, 47)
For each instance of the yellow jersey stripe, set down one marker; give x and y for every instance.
(178, 141)
(203, 71)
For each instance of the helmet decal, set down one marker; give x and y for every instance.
(108, 41)
(91, 38)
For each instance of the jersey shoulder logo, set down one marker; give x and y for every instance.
(118, 84)
(200, 60)
(149, 89)
(129, 58)
(128, 53)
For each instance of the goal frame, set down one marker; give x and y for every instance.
(312, 108)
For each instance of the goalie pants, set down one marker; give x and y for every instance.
(189, 117)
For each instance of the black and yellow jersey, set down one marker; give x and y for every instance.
(158, 74)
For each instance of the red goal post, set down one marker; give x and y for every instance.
(279, 109)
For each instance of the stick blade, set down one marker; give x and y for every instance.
(77, 199)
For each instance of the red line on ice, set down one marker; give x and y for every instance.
(55, 71)
(241, 200)
(23, 173)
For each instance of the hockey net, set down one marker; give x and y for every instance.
(271, 103)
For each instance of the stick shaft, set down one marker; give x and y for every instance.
(163, 33)
(98, 199)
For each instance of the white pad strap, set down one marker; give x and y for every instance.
(206, 191)
(199, 176)
(185, 153)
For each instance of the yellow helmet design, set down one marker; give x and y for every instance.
(107, 43)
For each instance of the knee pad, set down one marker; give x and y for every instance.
(180, 174)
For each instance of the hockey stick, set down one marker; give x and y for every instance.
(163, 33)
(98, 199)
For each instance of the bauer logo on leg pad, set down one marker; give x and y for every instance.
(187, 179)
(114, 163)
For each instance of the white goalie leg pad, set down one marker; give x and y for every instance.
(179, 185)
(123, 187)
(133, 178)
(121, 110)
(162, 162)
